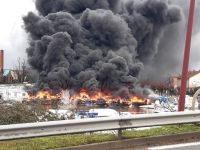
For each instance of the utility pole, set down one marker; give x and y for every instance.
(186, 57)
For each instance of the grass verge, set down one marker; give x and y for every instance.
(51, 142)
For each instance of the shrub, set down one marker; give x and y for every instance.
(16, 112)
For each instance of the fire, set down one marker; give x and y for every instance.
(137, 100)
(44, 95)
(98, 98)
(84, 95)
(48, 95)
(108, 97)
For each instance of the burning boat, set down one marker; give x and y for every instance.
(88, 102)
(101, 99)
(118, 103)
(136, 101)
(43, 97)
(98, 99)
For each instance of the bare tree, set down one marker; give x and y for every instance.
(23, 71)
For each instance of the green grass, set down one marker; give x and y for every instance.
(83, 139)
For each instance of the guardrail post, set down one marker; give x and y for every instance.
(119, 134)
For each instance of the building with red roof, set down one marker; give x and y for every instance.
(193, 79)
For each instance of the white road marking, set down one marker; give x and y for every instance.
(174, 146)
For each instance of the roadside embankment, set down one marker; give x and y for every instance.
(131, 143)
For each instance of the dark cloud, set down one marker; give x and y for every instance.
(96, 44)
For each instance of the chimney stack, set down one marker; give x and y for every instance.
(1, 60)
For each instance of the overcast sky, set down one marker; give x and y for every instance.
(13, 39)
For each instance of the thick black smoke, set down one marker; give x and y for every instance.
(97, 45)
(169, 59)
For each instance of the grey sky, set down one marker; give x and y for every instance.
(13, 39)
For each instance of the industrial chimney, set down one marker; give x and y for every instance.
(1, 60)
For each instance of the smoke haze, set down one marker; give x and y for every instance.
(168, 61)
(98, 45)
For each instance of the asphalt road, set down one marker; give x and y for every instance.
(182, 146)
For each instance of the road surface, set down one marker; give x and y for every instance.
(181, 146)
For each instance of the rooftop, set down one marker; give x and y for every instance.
(190, 74)
(6, 72)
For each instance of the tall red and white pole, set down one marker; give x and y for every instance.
(186, 57)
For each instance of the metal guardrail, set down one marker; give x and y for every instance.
(41, 129)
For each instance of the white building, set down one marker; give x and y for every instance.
(193, 79)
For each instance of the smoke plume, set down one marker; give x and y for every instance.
(169, 58)
(96, 45)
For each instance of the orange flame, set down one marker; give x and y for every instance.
(45, 95)
(84, 95)
(108, 97)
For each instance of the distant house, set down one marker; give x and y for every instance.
(193, 79)
(7, 77)
(14, 76)
(174, 82)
